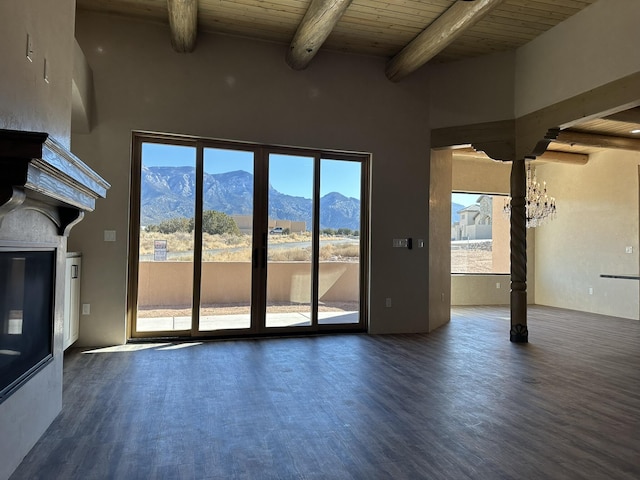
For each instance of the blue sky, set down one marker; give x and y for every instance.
(288, 174)
(465, 199)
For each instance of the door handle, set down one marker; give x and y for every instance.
(265, 240)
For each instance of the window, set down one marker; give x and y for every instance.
(479, 234)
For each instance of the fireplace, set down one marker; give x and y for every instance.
(27, 280)
(44, 191)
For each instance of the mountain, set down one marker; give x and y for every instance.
(338, 211)
(169, 192)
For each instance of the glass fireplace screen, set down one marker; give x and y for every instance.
(27, 281)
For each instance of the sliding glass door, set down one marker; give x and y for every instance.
(227, 240)
(165, 241)
(340, 218)
(232, 239)
(290, 241)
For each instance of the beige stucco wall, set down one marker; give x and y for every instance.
(501, 228)
(243, 90)
(169, 283)
(82, 92)
(597, 218)
(27, 102)
(473, 91)
(439, 251)
(594, 47)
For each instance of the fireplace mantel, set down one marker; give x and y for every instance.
(37, 172)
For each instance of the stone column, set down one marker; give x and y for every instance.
(519, 332)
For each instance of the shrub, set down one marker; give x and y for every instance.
(214, 222)
(173, 225)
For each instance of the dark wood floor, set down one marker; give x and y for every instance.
(459, 403)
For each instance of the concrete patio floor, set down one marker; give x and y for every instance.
(239, 321)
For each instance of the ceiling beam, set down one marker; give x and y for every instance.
(548, 156)
(583, 139)
(183, 21)
(438, 35)
(313, 30)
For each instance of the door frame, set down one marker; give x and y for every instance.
(259, 247)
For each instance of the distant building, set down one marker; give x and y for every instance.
(245, 224)
(475, 221)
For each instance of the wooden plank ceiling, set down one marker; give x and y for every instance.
(617, 131)
(409, 33)
(370, 27)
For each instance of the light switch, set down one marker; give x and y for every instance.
(109, 235)
(399, 243)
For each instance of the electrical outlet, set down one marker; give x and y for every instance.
(86, 309)
(590, 290)
(497, 284)
(387, 303)
(109, 235)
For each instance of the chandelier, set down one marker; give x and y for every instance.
(539, 206)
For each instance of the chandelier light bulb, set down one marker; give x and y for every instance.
(540, 208)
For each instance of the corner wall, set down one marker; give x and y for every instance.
(598, 217)
(596, 46)
(439, 290)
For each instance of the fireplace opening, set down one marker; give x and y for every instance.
(27, 280)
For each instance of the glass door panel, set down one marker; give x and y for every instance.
(289, 241)
(227, 240)
(339, 258)
(166, 240)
